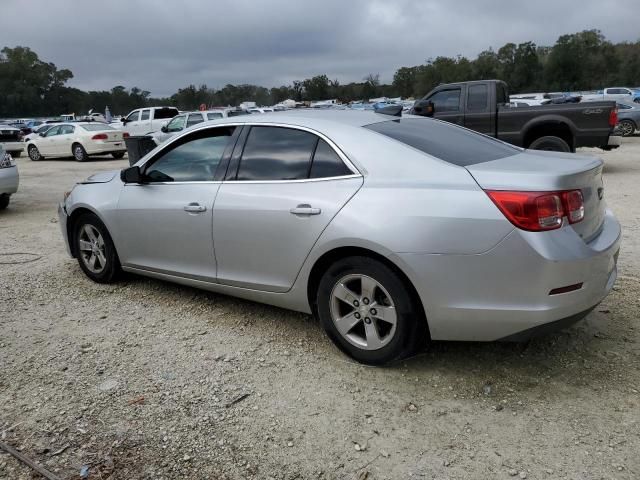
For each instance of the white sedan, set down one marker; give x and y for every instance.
(78, 140)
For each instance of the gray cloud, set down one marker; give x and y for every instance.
(162, 46)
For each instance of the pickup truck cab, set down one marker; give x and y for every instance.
(143, 121)
(484, 106)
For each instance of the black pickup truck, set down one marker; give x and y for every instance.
(484, 106)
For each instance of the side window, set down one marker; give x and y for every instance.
(446, 100)
(67, 129)
(327, 163)
(193, 160)
(145, 115)
(276, 153)
(213, 115)
(501, 94)
(133, 116)
(52, 132)
(194, 119)
(478, 97)
(164, 112)
(176, 124)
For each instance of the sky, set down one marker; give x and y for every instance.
(161, 46)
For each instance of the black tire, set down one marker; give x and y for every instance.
(118, 155)
(410, 327)
(4, 201)
(627, 127)
(16, 154)
(79, 153)
(111, 269)
(34, 153)
(550, 143)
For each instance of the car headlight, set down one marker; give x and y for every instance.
(6, 160)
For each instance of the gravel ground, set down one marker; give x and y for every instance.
(145, 379)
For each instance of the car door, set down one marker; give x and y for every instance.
(478, 114)
(47, 144)
(447, 105)
(132, 123)
(64, 140)
(144, 126)
(164, 224)
(277, 199)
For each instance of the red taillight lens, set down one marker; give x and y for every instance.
(613, 117)
(125, 135)
(99, 136)
(539, 211)
(574, 205)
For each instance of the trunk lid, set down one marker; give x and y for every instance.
(540, 171)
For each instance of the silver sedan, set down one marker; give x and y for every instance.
(391, 230)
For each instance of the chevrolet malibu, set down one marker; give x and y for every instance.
(391, 230)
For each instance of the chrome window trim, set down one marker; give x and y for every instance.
(195, 182)
(331, 143)
(300, 180)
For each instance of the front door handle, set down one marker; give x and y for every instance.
(194, 208)
(305, 209)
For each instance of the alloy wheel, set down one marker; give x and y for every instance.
(627, 129)
(92, 248)
(363, 312)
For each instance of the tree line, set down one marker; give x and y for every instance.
(580, 61)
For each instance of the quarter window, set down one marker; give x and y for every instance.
(327, 163)
(276, 153)
(193, 160)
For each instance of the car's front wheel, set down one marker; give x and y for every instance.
(367, 310)
(79, 153)
(34, 153)
(95, 250)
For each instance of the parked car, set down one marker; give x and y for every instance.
(483, 106)
(144, 121)
(613, 93)
(11, 140)
(9, 178)
(77, 140)
(189, 119)
(628, 118)
(391, 230)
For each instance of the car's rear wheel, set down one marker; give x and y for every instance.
(118, 155)
(79, 153)
(550, 143)
(95, 250)
(34, 153)
(627, 128)
(367, 310)
(4, 201)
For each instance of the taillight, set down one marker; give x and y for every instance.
(539, 211)
(100, 136)
(125, 135)
(613, 117)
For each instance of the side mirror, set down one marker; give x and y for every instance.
(41, 134)
(124, 121)
(164, 129)
(131, 175)
(424, 108)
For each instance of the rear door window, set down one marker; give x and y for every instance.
(276, 153)
(145, 115)
(445, 141)
(213, 115)
(477, 98)
(194, 119)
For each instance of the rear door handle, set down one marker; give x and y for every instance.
(194, 208)
(305, 209)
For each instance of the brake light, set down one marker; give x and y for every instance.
(100, 136)
(613, 117)
(539, 211)
(125, 135)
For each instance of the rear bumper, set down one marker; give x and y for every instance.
(9, 180)
(13, 146)
(111, 147)
(506, 290)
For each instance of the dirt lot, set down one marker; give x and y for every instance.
(145, 379)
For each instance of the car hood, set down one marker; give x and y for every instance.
(102, 177)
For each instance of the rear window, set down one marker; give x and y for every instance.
(444, 141)
(94, 127)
